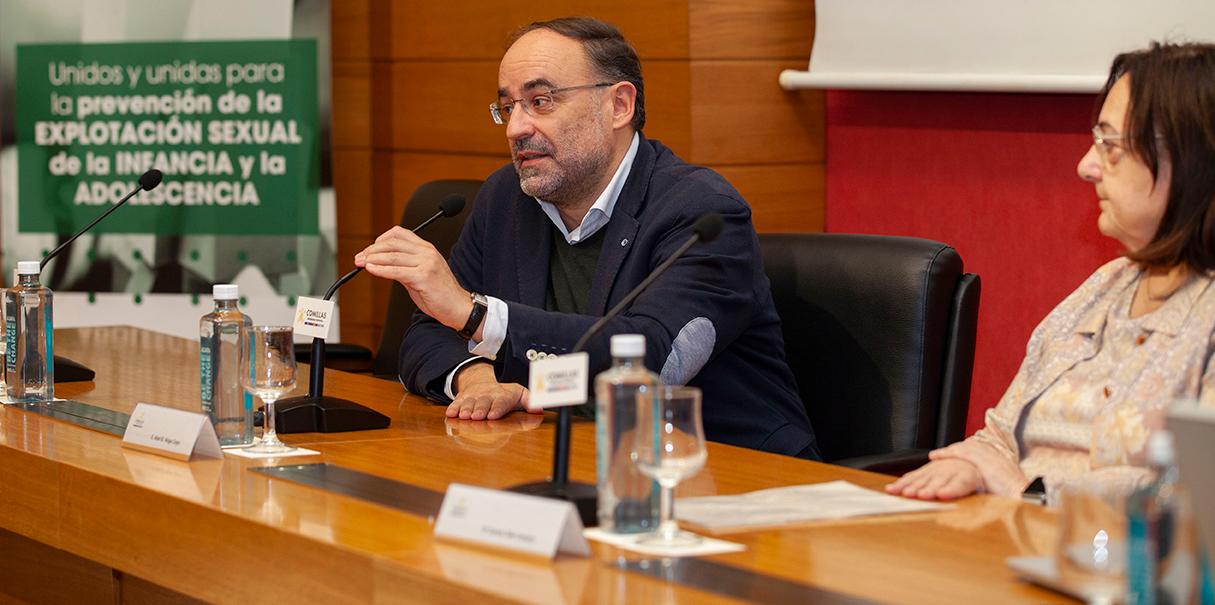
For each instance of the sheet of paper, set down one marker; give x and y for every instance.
(707, 546)
(793, 504)
(238, 450)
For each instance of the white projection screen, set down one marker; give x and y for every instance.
(987, 45)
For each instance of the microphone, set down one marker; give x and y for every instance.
(315, 412)
(451, 206)
(583, 495)
(147, 182)
(65, 369)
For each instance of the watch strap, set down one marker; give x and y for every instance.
(475, 317)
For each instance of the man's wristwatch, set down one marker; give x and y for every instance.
(1035, 493)
(480, 307)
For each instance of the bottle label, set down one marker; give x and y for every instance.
(205, 370)
(1139, 560)
(248, 353)
(48, 328)
(10, 340)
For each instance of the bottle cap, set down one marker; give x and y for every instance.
(628, 345)
(28, 267)
(225, 292)
(1160, 450)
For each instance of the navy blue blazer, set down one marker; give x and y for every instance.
(709, 321)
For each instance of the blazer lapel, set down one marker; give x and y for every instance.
(533, 244)
(621, 232)
(622, 228)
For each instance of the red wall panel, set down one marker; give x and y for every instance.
(993, 175)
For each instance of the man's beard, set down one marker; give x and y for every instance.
(565, 182)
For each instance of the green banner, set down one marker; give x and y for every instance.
(233, 126)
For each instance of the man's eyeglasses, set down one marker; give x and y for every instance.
(540, 103)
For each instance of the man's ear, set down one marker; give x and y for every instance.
(624, 103)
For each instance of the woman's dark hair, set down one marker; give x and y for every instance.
(1172, 115)
(611, 55)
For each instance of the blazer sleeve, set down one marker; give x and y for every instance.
(429, 349)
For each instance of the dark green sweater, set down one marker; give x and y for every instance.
(571, 269)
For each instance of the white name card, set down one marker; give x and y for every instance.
(312, 316)
(558, 381)
(168, 432)
(530, 524)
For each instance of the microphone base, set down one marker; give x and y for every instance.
(67, 370)
(584, 496)
(325, 415)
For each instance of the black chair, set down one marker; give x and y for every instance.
(443, 234)
(880, 334)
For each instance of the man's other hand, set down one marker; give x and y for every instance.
(479, 395)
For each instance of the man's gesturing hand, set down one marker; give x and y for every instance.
(413, 262)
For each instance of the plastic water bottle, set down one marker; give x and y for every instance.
(1162, 562)
(628, 500)
(28, 334)
(224, 400)
(4, 346)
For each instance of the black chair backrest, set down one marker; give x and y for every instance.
(879, 332)
(443, 234)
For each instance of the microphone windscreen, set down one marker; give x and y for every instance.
(452, 205)
(150, 179)
(708, 226)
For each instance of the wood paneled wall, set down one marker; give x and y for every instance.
(412, 81)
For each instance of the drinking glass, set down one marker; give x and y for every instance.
(1091, 553)
(668, 446)
(267, 370)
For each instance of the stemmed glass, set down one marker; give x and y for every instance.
(668, 446)
(267, 370)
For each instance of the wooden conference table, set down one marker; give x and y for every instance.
(84, 520)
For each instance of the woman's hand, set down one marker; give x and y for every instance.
(1001, 475)
(944, 479)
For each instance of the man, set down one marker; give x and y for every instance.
(588, 208)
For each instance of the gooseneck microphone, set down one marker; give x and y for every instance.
(451, 206)
(315, 412)
(583, 495)
(147, 182)
(67, 370)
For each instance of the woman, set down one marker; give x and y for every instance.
(1101, 369)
